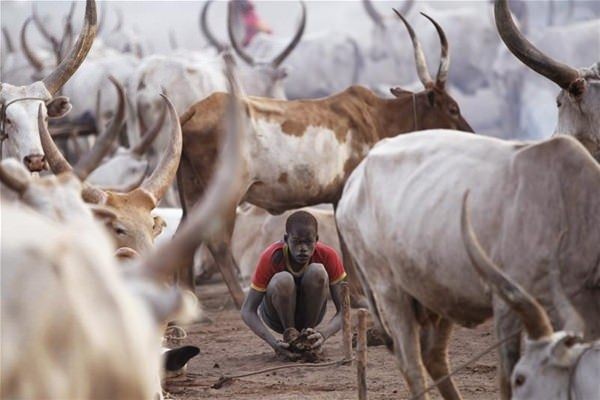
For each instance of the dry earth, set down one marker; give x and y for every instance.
(228, 347)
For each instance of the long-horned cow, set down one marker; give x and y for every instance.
(406, 238)
(94, 327)
(301, 152)
(579, 99)
(554, 365)
(133, 225)
(18, 122)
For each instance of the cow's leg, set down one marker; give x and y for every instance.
(399, 310)
(220, 248)
(434, 349)
(357, 296)
(506, 323)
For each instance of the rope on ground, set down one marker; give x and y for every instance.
(465, 364)
(228, 378)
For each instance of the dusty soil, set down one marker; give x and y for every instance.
(228, 347)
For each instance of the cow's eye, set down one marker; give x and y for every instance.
(9, 121)
(519, 380)
(558, 103)
(120, 231)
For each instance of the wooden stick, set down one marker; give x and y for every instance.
(361, 354)
(346, 327)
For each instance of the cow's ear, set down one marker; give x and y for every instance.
(398, 91)
(563, 352)
(58, 107)
(102, 213)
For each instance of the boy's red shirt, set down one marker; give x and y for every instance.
(268, 264)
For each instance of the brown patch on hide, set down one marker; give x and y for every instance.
(293, 128)
(283, 178)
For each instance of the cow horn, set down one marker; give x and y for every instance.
(442, 75)
(30, 55)
(67, 40)
(297, 37)
(420, 60)
(524, 50)
(151, 134)
(42, 27)
(173, 40)
(239, 51)
(572, 321)
(9, 44)
(372, 12)
(57, 162)
(119, 24)
(104, 142)
(532, 315)
(77, 54)
(164, 173)
(212, 40)
(12, 182)
(222, 194)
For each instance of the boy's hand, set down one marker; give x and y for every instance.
(282, 349)
(315, 337)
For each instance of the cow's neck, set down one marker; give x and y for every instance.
(398, 115)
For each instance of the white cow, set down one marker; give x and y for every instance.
(18, 115)
(407, 243)
(554, 365)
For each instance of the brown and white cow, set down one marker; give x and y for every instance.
(301, 152)
(18, 122)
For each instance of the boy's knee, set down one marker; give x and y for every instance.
(282, 283)
(316, 276)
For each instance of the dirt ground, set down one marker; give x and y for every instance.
(228, 347)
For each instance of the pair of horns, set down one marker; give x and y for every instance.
(276, 62)
(532, 315)
(222, 194)
(378, 18)
(154, 186)
(561, 74)
(420, 60)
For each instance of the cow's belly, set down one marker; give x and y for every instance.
(295, 170)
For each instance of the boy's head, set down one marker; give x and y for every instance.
(301, 235)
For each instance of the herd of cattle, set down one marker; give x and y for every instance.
(436, 228)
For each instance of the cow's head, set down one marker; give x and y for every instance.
(133, 225)
(265, 78)
(19, 104)
(433, 108)
(579, 99)
(546, 369)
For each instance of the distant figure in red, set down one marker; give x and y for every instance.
(250, 19)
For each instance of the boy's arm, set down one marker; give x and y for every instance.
(250, 317)
(335, 323)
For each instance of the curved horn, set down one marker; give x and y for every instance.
(524, 50)
(67, 40)
(572, 321)
(212, 40)
(77, 54)
(222, 194)
(420, 60)
(173, 40)
(442, 75)
(12, 182)
(151, 134)
(297, 37)
(9, 44)
(372, 12)
(30, 55)
(234, 43)
(164, 173)
(104, 142)
(56, 160)
(532, 315)
(42, 27)
(119, 24)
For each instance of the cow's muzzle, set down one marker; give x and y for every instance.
(35, 162)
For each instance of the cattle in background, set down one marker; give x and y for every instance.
(557, 365)
(302, 151)
(18, 122)
(579, 99)
(407, 242)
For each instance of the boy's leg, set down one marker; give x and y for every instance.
(312, 297)
(279, 305)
